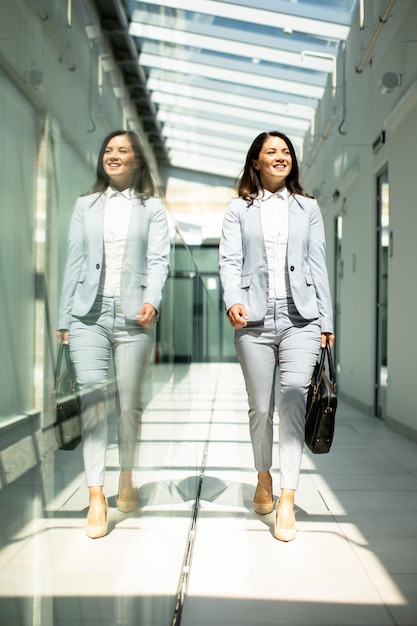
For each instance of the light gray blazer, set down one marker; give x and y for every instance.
(145, 263)
(244, 264)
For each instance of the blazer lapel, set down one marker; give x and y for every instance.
(253, 215)
(295, 205)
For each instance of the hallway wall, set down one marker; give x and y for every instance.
(347, 162)
(402, 342)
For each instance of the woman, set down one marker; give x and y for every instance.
(277, 297)
(116, 268)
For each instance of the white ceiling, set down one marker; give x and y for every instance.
(220, 72)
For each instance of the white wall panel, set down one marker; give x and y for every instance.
(17, 276)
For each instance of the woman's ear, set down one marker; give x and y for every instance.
(255, 165)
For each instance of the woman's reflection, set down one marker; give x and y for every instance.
(116, 268)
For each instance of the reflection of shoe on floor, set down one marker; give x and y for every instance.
(263, 501)
(284, 529)
(127, 499)
(95, 531)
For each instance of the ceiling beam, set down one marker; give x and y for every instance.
(164, 80)
(253, 52)
(230, 75)
(236, 115)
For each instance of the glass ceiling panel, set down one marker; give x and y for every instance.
(163, 91)
(250, 13)
(233, 30)
(258, 95)
(214, 110)
(236, 69)
(226, 74)
(236, 48)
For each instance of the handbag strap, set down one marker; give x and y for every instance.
(330, 362)
(64, 352)
(326, 353)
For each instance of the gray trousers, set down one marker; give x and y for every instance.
(94, 339)
(287, 339)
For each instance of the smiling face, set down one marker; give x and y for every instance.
(120, 162)
(273, 163)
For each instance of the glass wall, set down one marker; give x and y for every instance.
(54, 118)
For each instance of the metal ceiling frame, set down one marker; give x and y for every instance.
(215, 73)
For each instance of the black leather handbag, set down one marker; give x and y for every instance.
(66, 402)
(321, 405)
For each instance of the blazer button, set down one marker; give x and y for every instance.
(292, 268)
(98, 266)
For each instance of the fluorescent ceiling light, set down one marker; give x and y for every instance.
(292, 23)
(228, 46)
(232, 76)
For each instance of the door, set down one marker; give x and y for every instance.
(384, 250)
(338, 278)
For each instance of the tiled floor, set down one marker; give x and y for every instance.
(195, 554)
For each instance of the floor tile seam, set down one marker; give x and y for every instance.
(367, 476)
(187, 563)
(374, 444)
(339, 525)
(352, 543)
(397, 462)
(24, 543)
(186, 571)
(370, 577)
(364, 490)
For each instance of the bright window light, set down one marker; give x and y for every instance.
(213, 166)
(202, 138)
(232, 76)
(211, 284)
(228, 46)
(199, 123)
(162, 87)
(292, 23)
(236, 157)
(236, 113)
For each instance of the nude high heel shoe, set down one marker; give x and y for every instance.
(127, 498)
(263, 501)
(284, 534)
(95, 532)
(128, 501)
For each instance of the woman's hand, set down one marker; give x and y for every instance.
(237, 316)
(62, 336)
(146, 316)
(327, 337)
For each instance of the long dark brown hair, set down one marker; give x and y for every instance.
(249, 185)
(143, 183)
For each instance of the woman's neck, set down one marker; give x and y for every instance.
(274, 188)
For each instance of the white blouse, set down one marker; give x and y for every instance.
(117, 214)
(274, 215)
